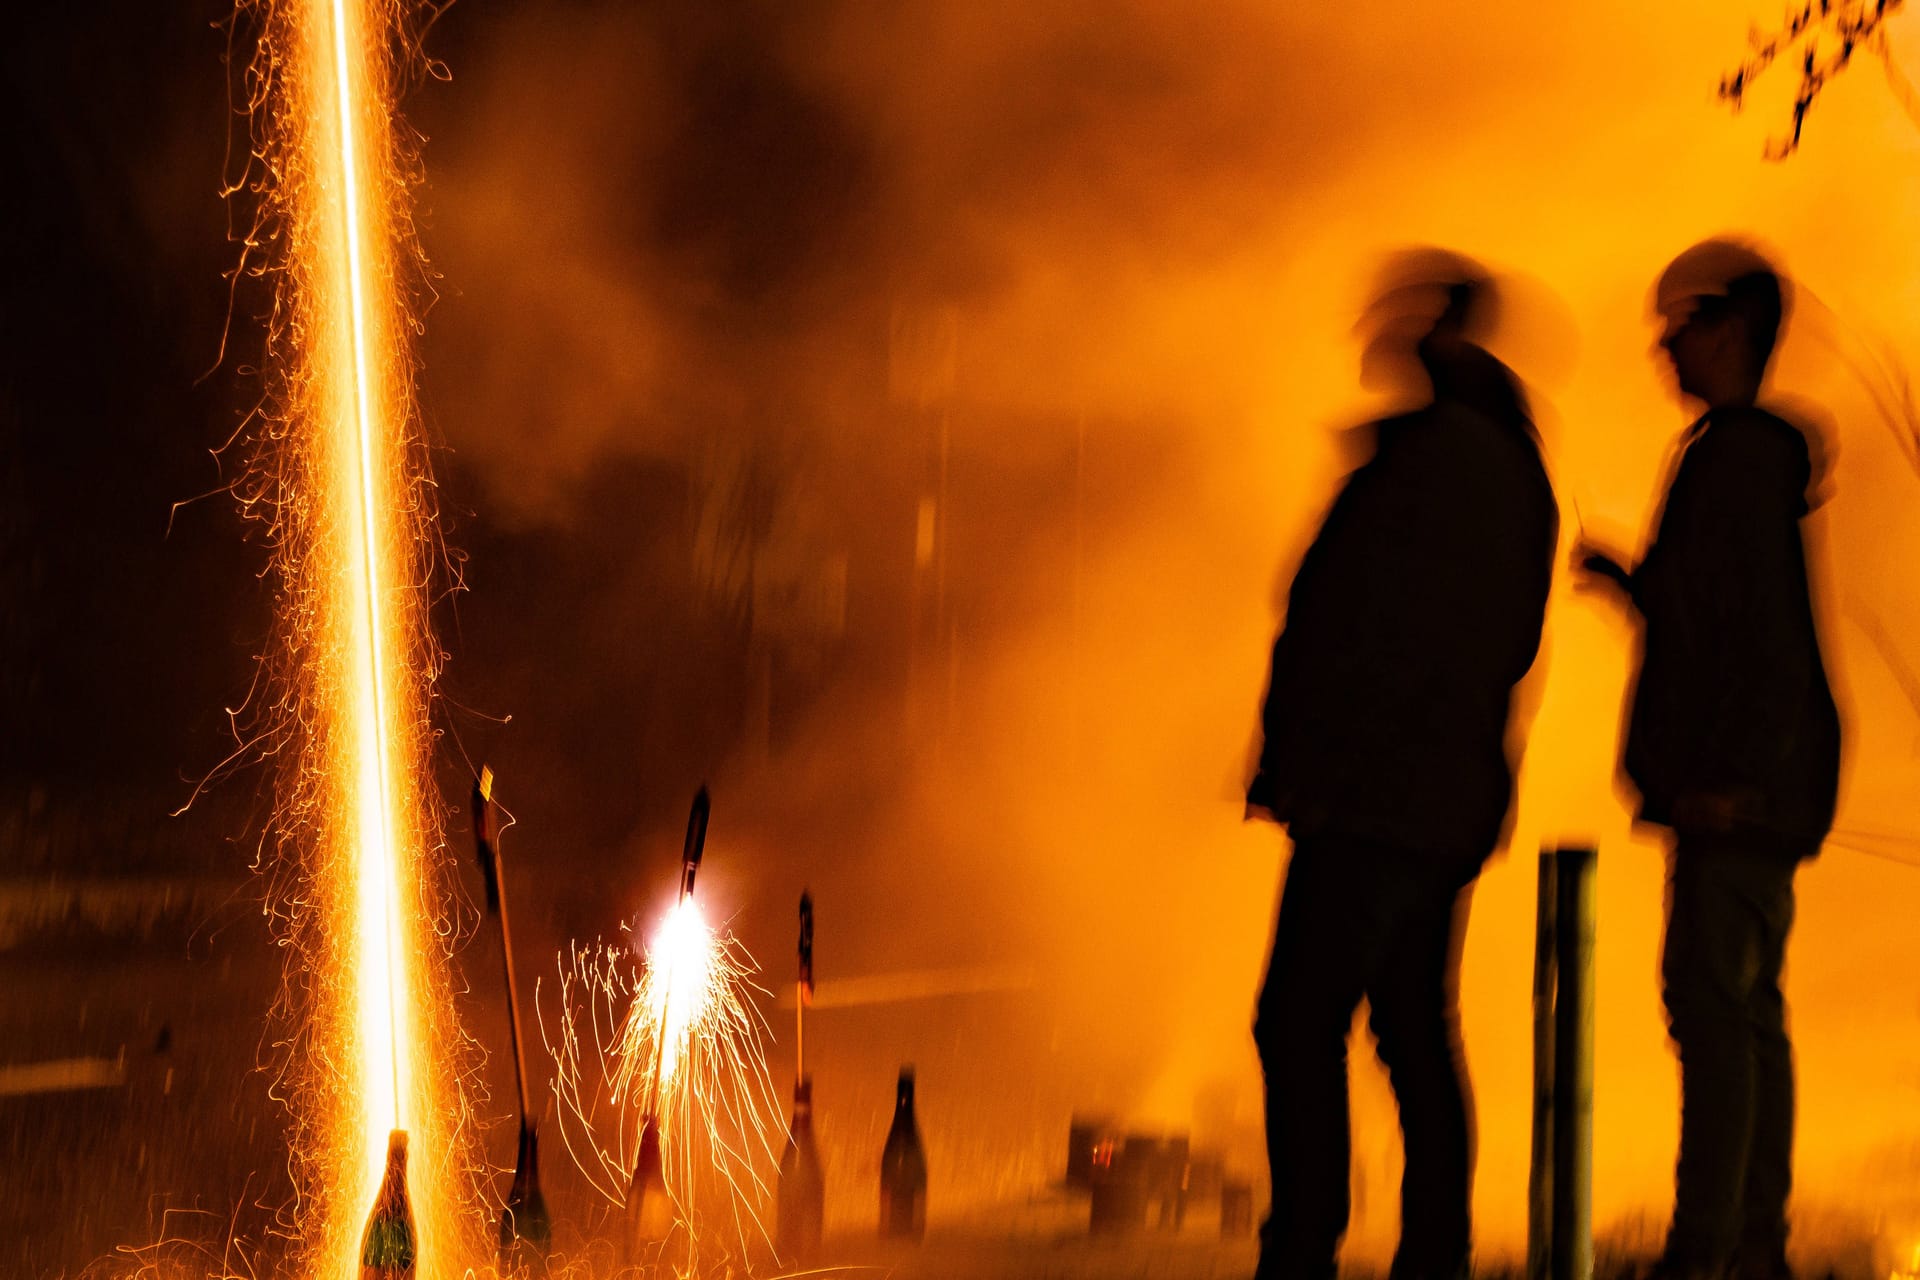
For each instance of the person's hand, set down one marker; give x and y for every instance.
(1595, 570)
(1265, 803)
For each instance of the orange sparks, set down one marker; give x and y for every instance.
(382, 977)
(691, 1002)
(340, 478)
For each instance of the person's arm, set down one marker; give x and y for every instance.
(1321, 594)
(1269, 791)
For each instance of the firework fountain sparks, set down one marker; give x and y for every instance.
(338, 476)
(670, 1041)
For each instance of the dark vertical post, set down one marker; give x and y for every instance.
(1573, 1067)
(1540, 1169)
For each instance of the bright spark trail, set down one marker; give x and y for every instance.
(339, 477)
(691, 1007)
(358, 431)
(377, 866)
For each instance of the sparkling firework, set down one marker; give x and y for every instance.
(690, 1001)
(338, 477)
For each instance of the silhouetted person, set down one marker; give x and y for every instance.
(1414, 613)
(1734, 743)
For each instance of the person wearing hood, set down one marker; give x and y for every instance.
(1733, 741)
(1415, 612)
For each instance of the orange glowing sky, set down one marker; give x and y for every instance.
(1161, 214)
(1580, 146)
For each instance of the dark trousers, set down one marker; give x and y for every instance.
(1731, 909)
(1361, 920)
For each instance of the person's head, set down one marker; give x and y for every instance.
(1720, 304)
(1428, 305)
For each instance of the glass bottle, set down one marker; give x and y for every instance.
(387, 1246)
(903, 1170)
(649, 1209)
(526, 1232)
(802, 1203)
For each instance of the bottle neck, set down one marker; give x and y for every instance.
(393, 1187)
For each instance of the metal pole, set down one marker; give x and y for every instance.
(1540, 1170)
(1573, 1068)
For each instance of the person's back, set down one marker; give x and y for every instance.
(1416, 610)
(1412, 616)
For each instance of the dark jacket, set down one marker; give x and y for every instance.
(1732, 699)
(1414, 613)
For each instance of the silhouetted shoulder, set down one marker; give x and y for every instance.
(1474, 436)
(1761, 432)
(1757, 449)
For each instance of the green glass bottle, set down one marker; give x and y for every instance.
(387, 1247)
(903, 1170)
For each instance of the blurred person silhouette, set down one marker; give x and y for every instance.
(1734, 743)
(1415, 611)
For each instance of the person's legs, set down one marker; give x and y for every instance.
(1710, 967)
(1322, 947)
(1415, 1016)
(1763, 1230)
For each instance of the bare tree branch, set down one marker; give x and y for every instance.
(1826, 35)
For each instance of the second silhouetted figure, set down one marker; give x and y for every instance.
(1734, 743)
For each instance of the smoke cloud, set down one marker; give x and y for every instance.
(1019, 340)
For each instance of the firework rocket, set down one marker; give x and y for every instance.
(649, 1209)
(488, 851)
(696, 843)
(803, 992)
(525, 1229)
(802, 1193)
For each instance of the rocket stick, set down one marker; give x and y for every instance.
(803, 992)
(489, 853)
